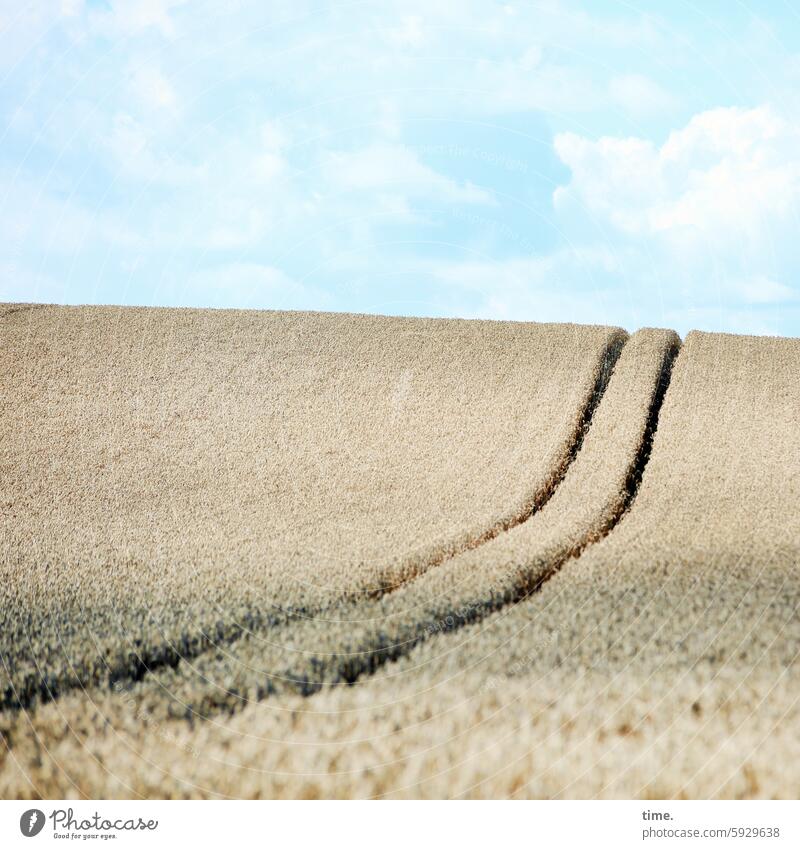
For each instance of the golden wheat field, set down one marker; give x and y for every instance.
(304, 555)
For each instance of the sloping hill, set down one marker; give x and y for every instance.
(656, 662)
(348, 640)
(174, 475)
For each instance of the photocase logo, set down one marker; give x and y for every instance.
(31, 822)
(66, 824)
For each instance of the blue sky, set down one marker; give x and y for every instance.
(622, 163)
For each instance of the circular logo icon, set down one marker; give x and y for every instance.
(31, 822)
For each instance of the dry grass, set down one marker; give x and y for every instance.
(348, 640)
(170, 476)
(657, 663)
(415, 736)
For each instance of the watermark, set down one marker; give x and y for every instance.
(160, 729)
(31, 822)
(65, 825)
(485, 155)
(523, 664)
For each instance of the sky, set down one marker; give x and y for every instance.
(624, 163)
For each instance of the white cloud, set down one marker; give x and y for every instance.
(728, 174)
(71, 8)
(397, 170)
(707, 219)
(248, 284)
(763, 290)
(571, 282)
(236, 222)
(132, 17)
(527, 82)
(267, 166)
(133, 150)
(274, 136)
(26, 285)
(697, 229)
(128, 139)
(35, 217)
(486, 276)
(23, 28)
(152, 88)
(409, 32)
(700, 221)
(639, 95)
(268, 162)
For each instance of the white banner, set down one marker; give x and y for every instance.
(398, 825)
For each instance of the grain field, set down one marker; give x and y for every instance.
(296, 555)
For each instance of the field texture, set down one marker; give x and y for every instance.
(292, 555)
